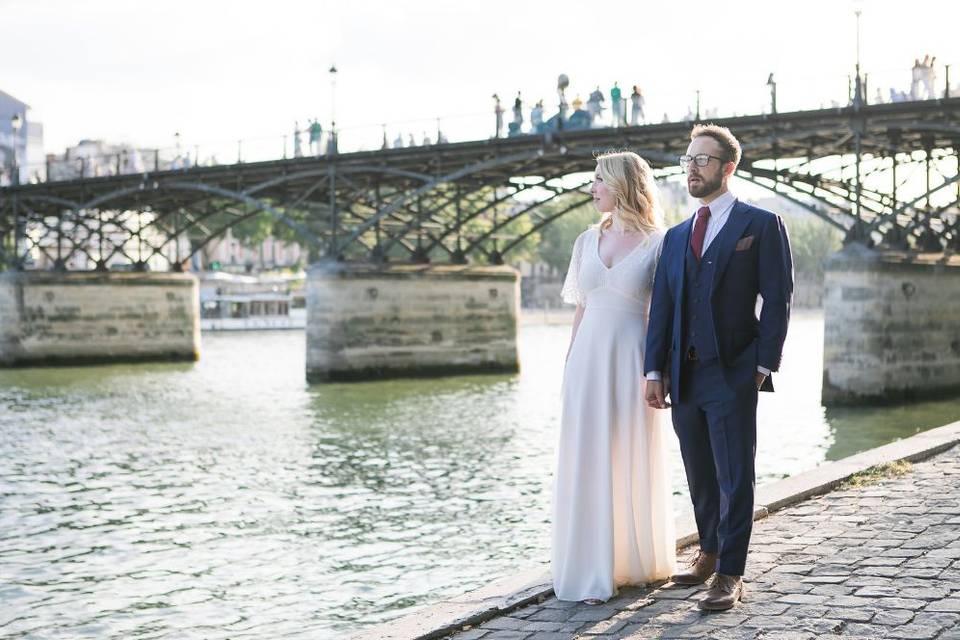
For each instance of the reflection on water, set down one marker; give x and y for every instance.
(861, 429)
(227, 498)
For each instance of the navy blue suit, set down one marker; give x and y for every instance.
(705, 335)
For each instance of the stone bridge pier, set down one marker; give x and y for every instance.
(54, 318)
(368, 321)
(892, 326)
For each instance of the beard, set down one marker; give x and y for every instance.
(706, 187)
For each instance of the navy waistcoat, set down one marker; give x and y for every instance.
(697, 324)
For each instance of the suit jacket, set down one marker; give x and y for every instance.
(753, 258)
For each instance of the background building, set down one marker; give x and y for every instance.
(24, 145)
(228, 253)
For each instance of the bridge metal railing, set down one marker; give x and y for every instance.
(714, 100)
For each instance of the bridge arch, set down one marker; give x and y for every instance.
(420, 201)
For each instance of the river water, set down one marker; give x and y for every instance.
(229, 499)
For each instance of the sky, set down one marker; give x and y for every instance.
(216, 71)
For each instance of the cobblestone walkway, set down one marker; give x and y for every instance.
(876, 561)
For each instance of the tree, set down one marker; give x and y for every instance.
(812, 240)
(557, 238)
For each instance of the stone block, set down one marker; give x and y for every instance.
(53, 318)
(379, 321)
(890, 331)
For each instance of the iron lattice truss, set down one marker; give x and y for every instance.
(885, 174)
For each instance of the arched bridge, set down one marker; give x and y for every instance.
(885, 174)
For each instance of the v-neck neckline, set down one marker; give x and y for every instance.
(603, 264)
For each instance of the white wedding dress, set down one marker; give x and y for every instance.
(613, 521)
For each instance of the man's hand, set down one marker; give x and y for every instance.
(655, 395)
(759, 378)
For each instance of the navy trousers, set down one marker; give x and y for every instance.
(717, 429)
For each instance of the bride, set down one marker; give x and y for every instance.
(612, 513)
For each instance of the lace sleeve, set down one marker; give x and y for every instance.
(656, 261)
(571, 293)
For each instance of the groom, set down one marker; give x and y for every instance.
(709, 351)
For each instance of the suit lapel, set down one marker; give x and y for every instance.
(680, 264)
(727, 240)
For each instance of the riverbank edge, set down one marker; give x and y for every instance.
(504, 595)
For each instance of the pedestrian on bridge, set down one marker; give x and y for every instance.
(536, 117)
(297, 150)
(315, 132)
(595, 104)
(930, 78)
(916, 77)
(515, 126)
(498, 112)
(637, 103)
(616, 105)
(518, 111)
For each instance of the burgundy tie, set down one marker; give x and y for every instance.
(699, 231)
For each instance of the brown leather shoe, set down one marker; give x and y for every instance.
(723, 593)
(702, 566)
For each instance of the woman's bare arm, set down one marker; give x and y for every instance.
(577, 316)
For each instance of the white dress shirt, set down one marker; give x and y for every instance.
(720, 210)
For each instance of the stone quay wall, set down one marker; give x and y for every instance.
(50, 318)
(380, 321)
(892, 326)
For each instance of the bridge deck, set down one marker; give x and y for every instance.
(417, 202)
(809, 134)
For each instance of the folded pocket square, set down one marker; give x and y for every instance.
(744, 243)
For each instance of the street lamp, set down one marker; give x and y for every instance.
(332, 139)
(858, 86)
(333, 96)
(773, 93)
(563, 81)
(15, 123)
(857, 13)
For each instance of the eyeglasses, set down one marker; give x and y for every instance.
(701, 160)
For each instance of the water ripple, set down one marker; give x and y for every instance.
(228, 499)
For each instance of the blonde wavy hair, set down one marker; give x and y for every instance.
(630, 179)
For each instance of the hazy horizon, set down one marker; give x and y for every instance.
(218, 71)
